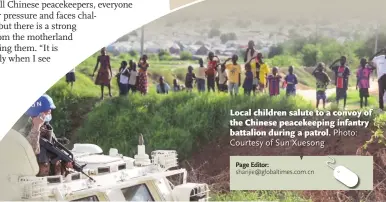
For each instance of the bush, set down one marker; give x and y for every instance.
(228, 37)
(284, 61)
(153, 56)
(331, 52)
(379, 135)
(319, 49)
(311, 54)
(133, 53)
(368, 47)
(214, 32)
(275, 50)
(295, 45)
(185, 55)
(164, 55)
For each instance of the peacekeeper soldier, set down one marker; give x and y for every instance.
(38, 126)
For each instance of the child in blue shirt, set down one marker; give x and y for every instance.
(290, 81)
(248, 82)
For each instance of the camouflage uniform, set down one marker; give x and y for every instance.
(44, 158)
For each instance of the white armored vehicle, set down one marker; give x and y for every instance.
(110, 177)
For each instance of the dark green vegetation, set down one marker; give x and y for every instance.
(179, 121)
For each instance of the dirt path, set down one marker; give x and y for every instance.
(310, 94)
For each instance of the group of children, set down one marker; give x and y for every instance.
(227, 75)
(127, 77)
(342, 73)
(258, 77)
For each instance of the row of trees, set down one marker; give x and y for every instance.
(224, 37)
(308, 51)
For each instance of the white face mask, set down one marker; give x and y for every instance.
(48, 118)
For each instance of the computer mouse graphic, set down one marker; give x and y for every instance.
(346, 176)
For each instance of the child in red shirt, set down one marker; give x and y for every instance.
(211, 72)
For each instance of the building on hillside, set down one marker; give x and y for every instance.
(181, 45)
(175, 49)
(203, 50)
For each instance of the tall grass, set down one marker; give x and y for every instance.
(72, 104)
(179, 121)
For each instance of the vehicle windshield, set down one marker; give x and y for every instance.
(137, 193)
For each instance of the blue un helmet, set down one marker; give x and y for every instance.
(43, 104)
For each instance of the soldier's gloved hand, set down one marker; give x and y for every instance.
(63, 140)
